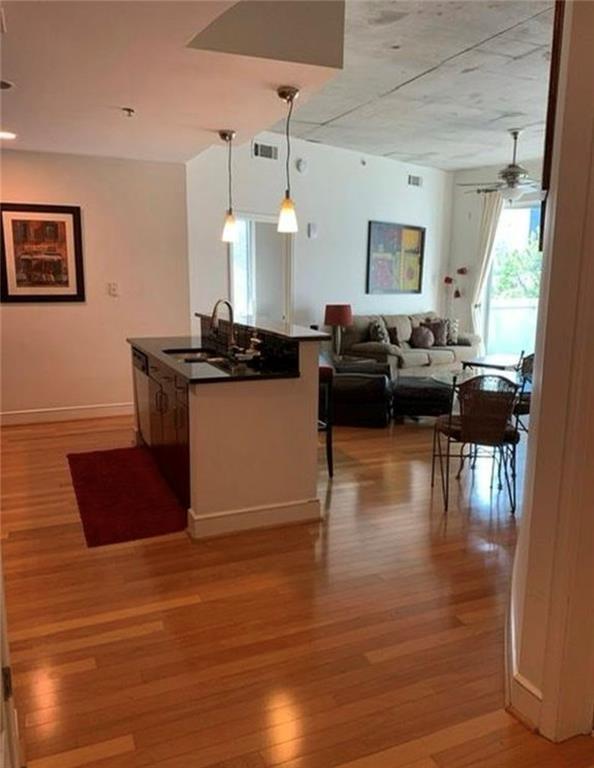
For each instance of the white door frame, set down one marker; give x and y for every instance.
(10, 747)
(288, 261)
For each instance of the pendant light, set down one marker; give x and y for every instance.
(287, 218)
(230, 226)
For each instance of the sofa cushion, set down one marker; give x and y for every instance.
(468, 339)
(457, 353)
(441, 356)
(422, 337)
(422, 317)
(374, 349)
(399, 327)
(413, 357)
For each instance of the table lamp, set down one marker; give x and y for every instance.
(338, 316)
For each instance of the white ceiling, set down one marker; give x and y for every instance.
(75, 64)
(437, 83)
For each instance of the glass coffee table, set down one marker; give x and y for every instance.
(495, 362)
(455, 378)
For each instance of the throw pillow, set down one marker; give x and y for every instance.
(453, 331)
(378, 331)
(439, 329)
(422, 337)
(393, 334)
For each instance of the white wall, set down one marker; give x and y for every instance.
(134, 232)
(466, 219)
(341, 192)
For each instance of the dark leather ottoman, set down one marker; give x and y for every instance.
(419, 396)
(362, 399)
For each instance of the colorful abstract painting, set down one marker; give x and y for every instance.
(395, 258)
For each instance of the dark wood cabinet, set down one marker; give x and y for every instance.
(169, 414)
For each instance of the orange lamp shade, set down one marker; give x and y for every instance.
(338, 315)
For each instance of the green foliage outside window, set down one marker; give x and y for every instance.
(516, 273)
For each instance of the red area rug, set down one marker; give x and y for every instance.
(122, 496)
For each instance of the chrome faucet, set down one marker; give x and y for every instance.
(214, 322)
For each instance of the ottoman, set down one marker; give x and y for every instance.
(362, 399)
(419, 396)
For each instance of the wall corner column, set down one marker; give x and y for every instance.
(551, 629)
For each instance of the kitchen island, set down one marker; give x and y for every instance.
(233, 426)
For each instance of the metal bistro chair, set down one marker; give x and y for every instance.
(325, 411)
(486, 408)
(522, 406)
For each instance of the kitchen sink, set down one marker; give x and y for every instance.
(194, 355)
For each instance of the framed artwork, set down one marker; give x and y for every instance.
(395, 258)
(41, 258)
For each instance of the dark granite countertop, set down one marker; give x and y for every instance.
(202, 372)
(282, 330)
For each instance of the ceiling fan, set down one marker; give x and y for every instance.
(513, 180)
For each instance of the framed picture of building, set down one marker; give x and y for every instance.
(395, 258)
(41, 258)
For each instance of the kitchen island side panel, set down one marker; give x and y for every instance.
(253, 451)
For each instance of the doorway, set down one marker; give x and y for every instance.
(261, 270)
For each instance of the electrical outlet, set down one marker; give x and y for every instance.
(113, 290)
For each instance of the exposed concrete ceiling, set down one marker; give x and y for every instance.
(76, 64)
(437, 83)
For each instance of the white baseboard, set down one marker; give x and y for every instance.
(65, 413)
(235, 520)
(523, 699)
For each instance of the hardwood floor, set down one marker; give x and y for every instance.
(373, 641)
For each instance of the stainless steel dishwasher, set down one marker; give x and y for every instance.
(142, 394)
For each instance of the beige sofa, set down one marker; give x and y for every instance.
(403, 359)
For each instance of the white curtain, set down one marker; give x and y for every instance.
(492, 207)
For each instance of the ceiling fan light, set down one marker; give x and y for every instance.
(230, 230)
(513, 193)
(287, 218)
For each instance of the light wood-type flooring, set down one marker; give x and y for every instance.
(372, 641)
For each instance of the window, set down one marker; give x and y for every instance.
(514, 283)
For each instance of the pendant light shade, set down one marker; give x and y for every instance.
(287, 218)
(230, 230)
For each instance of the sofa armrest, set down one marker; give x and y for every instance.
(375, 349)
(468, 339)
